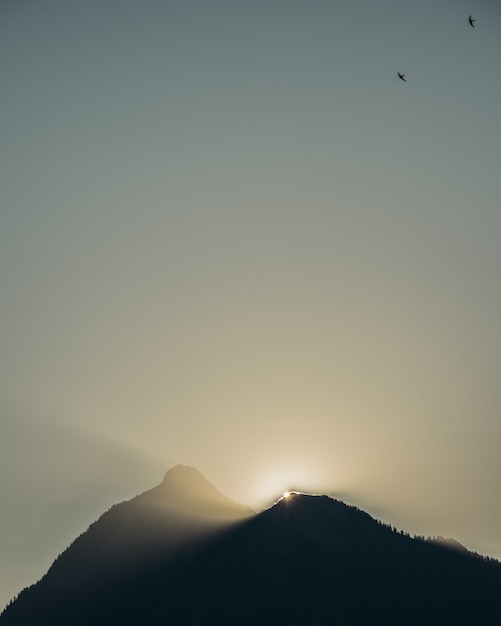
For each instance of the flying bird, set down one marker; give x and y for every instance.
(471, 20)
(401, 76)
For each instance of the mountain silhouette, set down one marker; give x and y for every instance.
(183, 553)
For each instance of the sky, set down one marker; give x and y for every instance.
(232, 238)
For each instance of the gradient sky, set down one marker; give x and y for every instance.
(231, 237)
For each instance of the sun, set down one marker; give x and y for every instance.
(286, 494)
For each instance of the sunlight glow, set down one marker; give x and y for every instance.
(283, 476)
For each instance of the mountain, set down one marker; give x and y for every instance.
(183, 553)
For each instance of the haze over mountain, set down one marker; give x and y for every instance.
(182, 553)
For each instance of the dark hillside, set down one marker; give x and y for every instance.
(306, 560)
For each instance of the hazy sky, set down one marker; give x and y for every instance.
(231, 237)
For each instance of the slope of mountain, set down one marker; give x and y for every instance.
(131, 537)
(183, 553)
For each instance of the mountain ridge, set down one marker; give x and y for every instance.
(182, 552)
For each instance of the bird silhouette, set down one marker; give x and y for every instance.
(401, 76)
(471, 20)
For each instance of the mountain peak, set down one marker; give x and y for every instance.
(184, 476)
(186, 490)
(310, 520)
